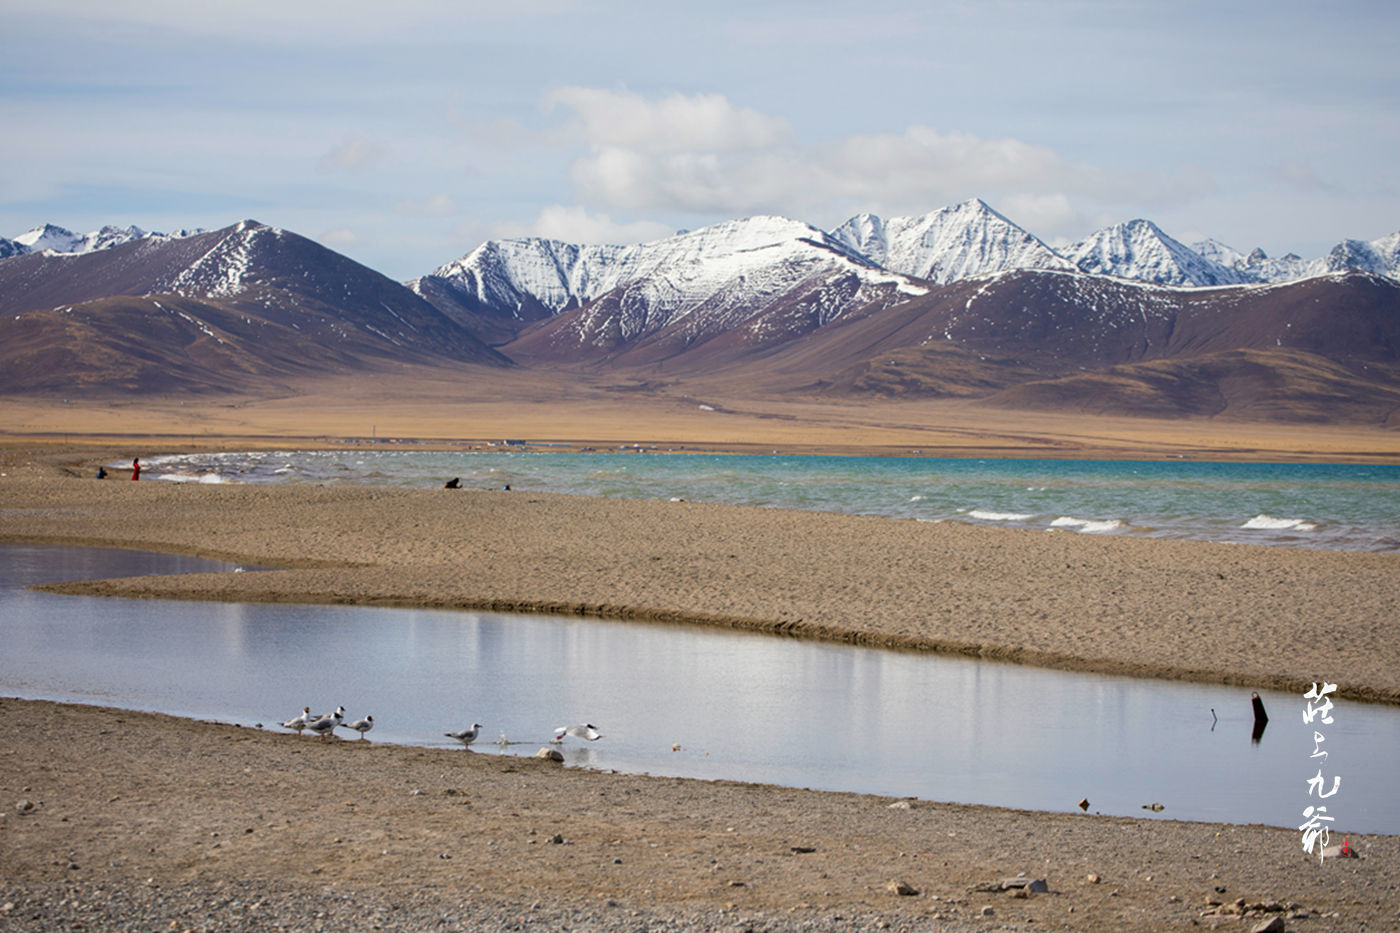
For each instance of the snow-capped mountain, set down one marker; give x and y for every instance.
(958, 242)
(249, 304)
(515, 276)
(718, 277)
(732, 275)
(48, 236)
(60, 240)
(765, 302)
(1379, 257)
(1140, 250)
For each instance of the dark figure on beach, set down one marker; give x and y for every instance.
(101, 473)
(136, 468)
(454, 483)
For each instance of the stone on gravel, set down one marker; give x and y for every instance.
(1275, 925)
(902, 888)
(550, 754)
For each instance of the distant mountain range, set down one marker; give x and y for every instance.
(964, 241)
(958, 242)
(958, 303)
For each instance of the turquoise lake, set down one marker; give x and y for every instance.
(1329, 506)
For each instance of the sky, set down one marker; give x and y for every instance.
(404, 134)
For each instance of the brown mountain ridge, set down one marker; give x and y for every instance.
(251, 305)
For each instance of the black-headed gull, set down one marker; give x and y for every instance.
(582, 731)
(466, 736)
(361, 726)
(327, 723)
(299, 722)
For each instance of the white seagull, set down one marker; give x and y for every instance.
(466, 736)
(327, 723)
(299, 722)
(361, 726)
(583, 731)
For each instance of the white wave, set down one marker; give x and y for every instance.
(207, 479)
(916, 498)
(1088, 526)
(1269, 523)
(999, 516)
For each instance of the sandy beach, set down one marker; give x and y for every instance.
(355, 833)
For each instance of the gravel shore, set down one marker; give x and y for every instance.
(142, 821)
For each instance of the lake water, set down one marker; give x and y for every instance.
(1332, 506)
(739, 706)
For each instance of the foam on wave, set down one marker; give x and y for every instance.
(1088, 526)
(1269, 523)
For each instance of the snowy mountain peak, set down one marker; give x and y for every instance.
(49, 236)
(60, 240)
(1139, 249)
(957, 242)
(728, 271)
(1379, 257)
(224, 270)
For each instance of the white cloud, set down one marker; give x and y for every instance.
(436, 205)
(340, 237)
(1300, 177)
(354, 154)
(1038, 212)
(576, 225)
(351, 22)
(703, 155)
(673, 124)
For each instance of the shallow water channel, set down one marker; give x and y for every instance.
(696, 702)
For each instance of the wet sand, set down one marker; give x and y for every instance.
(131, 802)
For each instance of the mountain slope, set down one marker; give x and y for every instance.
(1253, 385)
(1054, 340)
(205, 311)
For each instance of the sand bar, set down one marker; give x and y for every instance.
(1247, 615)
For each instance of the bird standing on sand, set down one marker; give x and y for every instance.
(299, 722)
(583, 731)
(323, 726)
(466, 736)
(326, 724)
(361, 726)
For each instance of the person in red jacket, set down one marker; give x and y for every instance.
(136, 468)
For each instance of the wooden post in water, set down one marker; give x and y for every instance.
(1261, 718)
